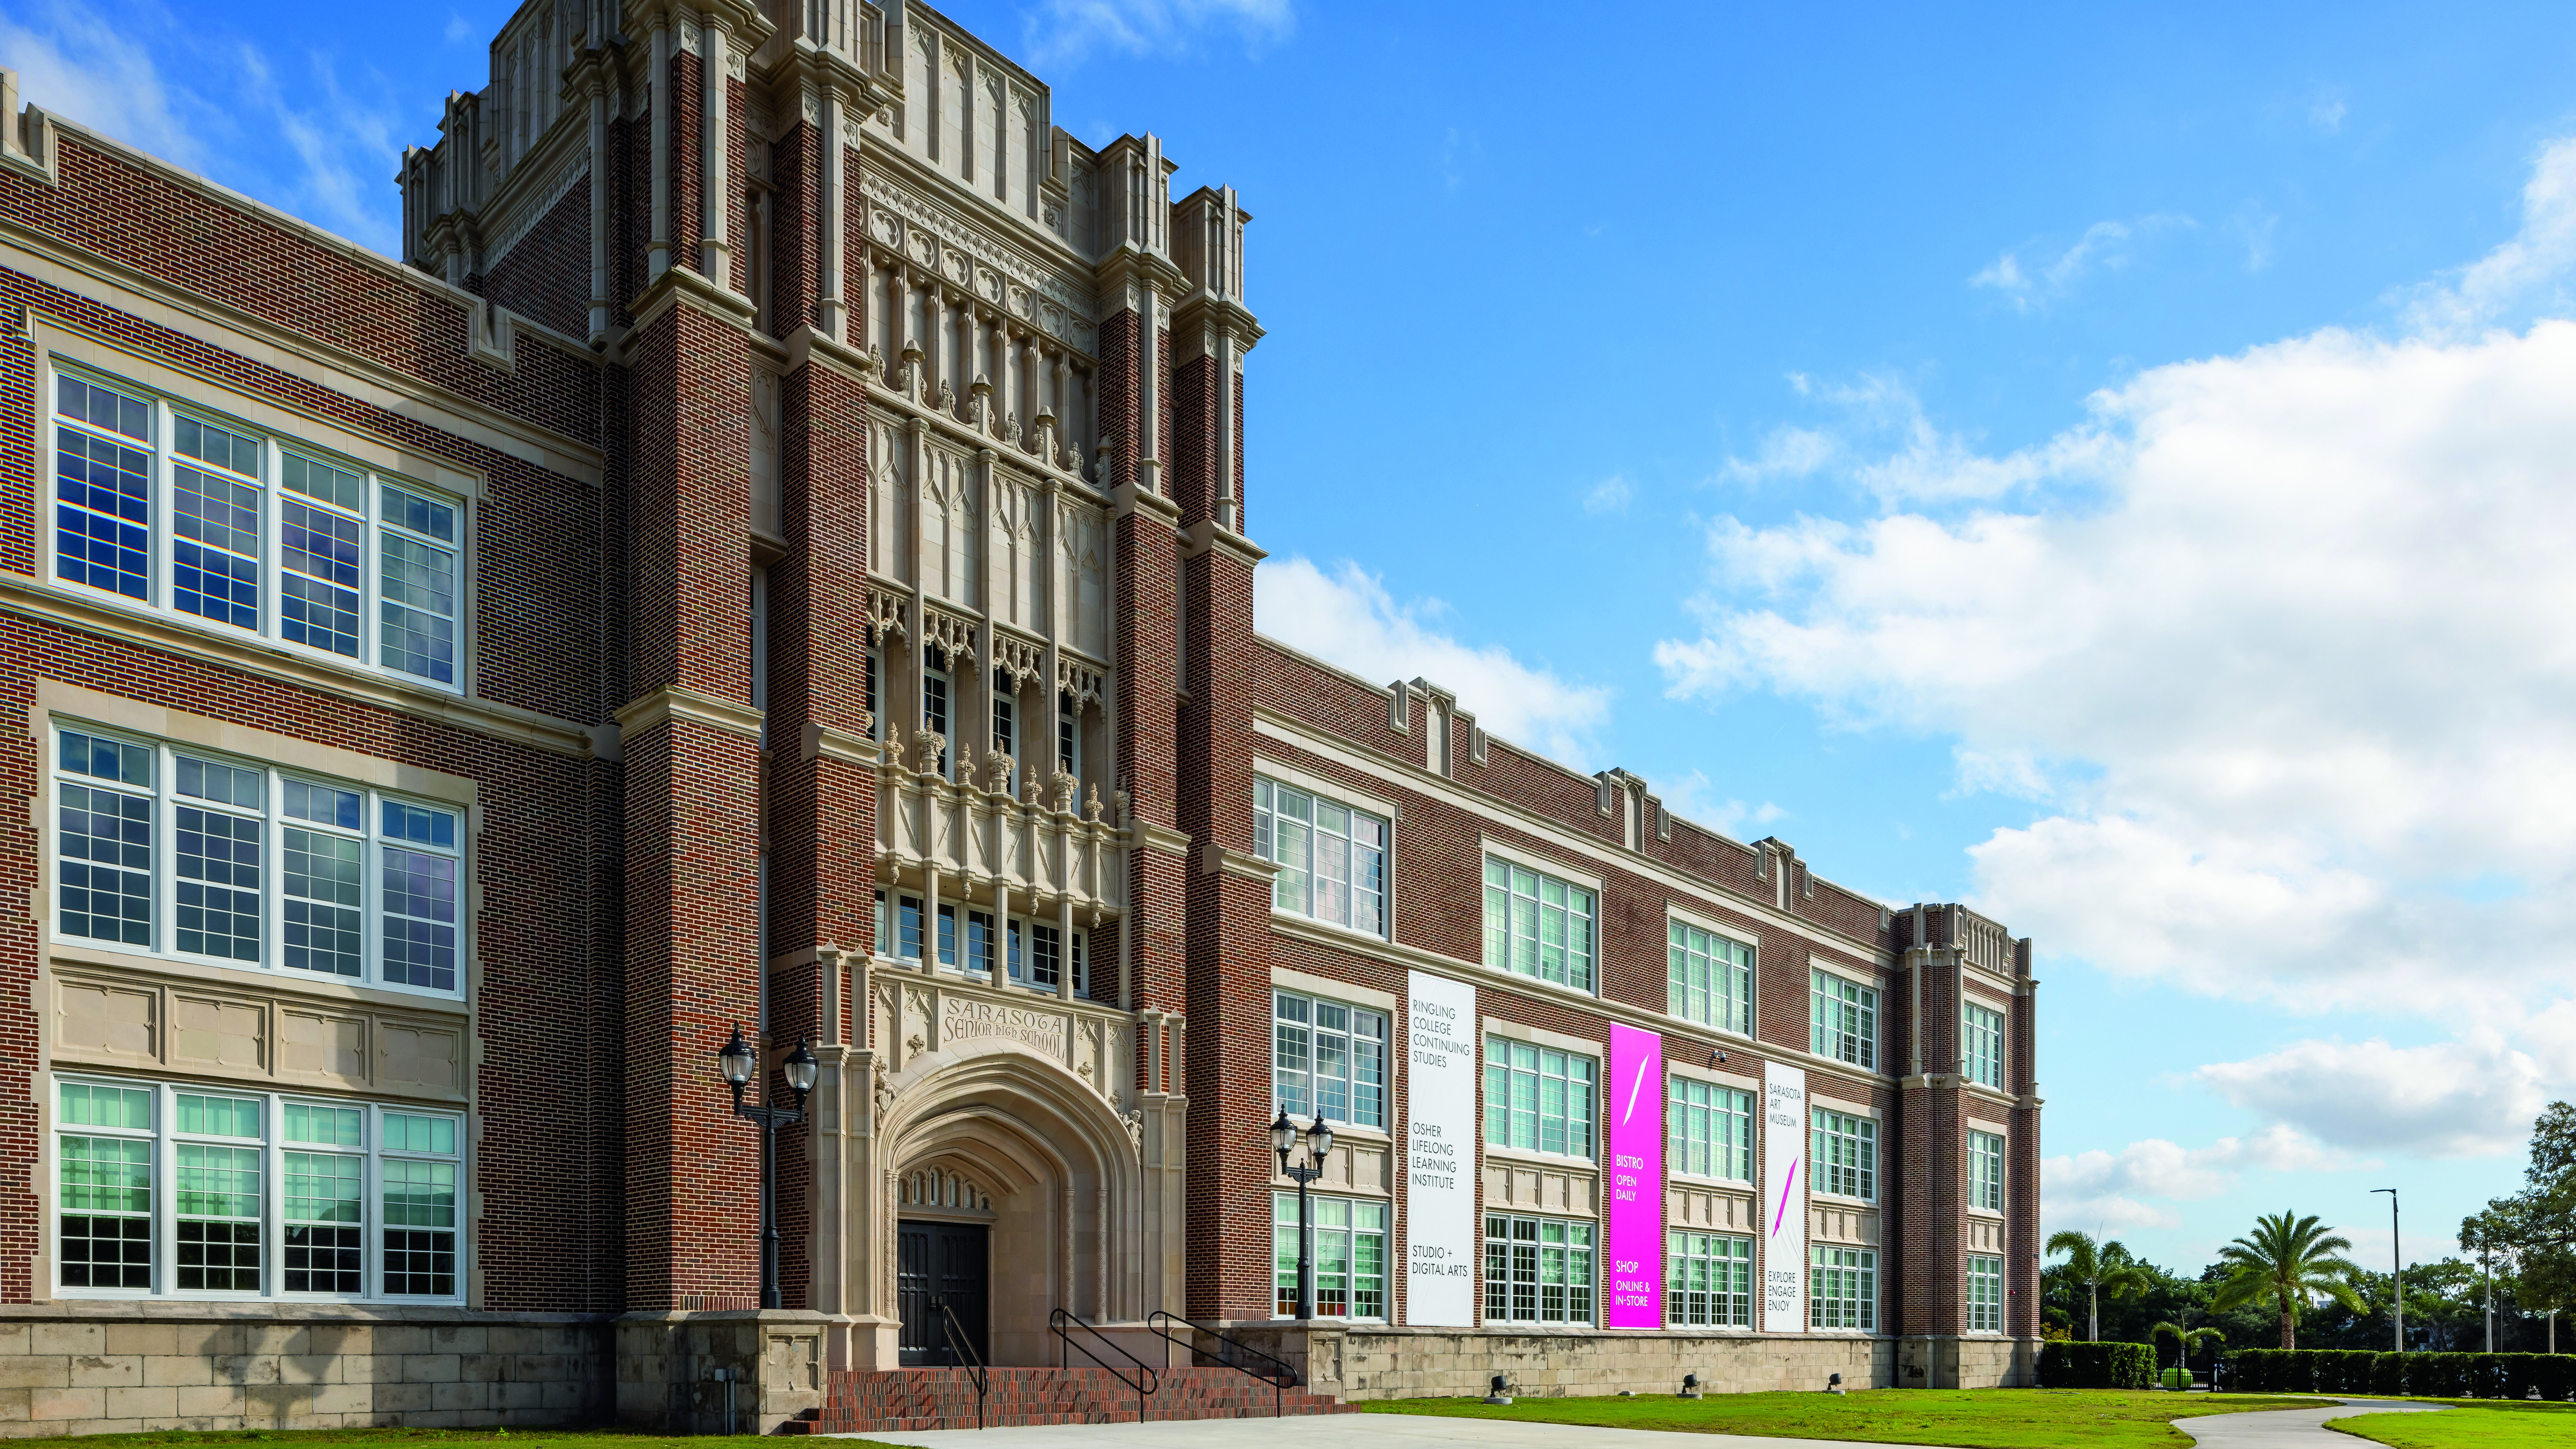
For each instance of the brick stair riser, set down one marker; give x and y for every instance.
(922, 1399)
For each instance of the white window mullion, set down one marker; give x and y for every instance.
(165, 1189)
(272, 1226)
(272, 542)
(371, 890)
(371, 564)
(165, 850)
(164, 448)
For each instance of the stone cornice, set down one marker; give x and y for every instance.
(683, 284)
(1129, 498)
(806, 345)
(36, 599)
(1203, 535)
(678, 702)
(1216, 859)
(824, 742)
(1148, 835)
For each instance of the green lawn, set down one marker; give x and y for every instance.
(421, 1439)
(1973, 1418)
(2478, 1424)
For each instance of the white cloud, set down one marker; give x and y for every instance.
(2472, 1098)
(1347, 618)
(2097, 1190)
(2105, 246)
(330, 162)
(2326, 113)
(1610, 495)
(2276, 641)
(1883, 443)
(1063, 32)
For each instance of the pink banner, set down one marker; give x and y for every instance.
(1632, 1107)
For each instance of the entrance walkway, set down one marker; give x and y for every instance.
(2270, 1429)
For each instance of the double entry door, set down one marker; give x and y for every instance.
(942, 1264)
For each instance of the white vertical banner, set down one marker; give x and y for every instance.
(1440, 1152)
(1784, 1198)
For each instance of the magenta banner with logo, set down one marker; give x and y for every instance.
(1632, 1106)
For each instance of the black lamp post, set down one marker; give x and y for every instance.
(739, 1061)
(1319, 1145)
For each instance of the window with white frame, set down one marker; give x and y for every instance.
(1986, 1171)
(174, 510)
(1537, 1270)
(1328, 1060)
(1537, 1098)
(1350, 1256)
(1032, 951)
(1708, 1281)
(1006, 725)
(1981, 1033)
(1332, 858)
(171, 1191)
(1985, 1294)
(1844, 1019)
(1710, 978)
(1842, 1289)
(175, 851)
(935, 707)
(1068, 736)
(1708, 1130)
(1845, 1155)
(1537, 925)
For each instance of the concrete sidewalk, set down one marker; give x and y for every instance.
(2261, 1429)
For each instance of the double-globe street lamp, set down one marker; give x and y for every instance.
(740, 1061)
(1319, 1145)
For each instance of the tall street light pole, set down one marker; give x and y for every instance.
(1319, 1145)
(2396, 1269)
(739, 1062)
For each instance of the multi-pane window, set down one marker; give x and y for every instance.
(934, 708)
(1708, 1130)
(1328, 1060)
(1031, 952)
(1710, 977)
(1068, 736)
(177, 512)
(1537, 1270)
(1350, 1256)
(1844, 1020)
(1332, 858)
(170, 850)
(1982, 1045)
(1986, 1171)
(1537, 925)
(1842, 1289)
(1985, 1294)
(1708, 1281)
(177, 1191)
(1538, 1098)
(1846, 1155)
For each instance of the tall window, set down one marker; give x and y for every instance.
(1068, 736)
(1986, 1171)
(1328, 1059)
(934, 707)
(1985, 1294)
(1538, 1098)
(1844, 1020)
(1537, 925)
(175, 511)
(1006, 723)
(1709, 1130)
(1845, 1159)
(1982, 1041)
(189, 1192)
(1350, 1256)
(1032, 952)
(1332, 858)
(166, 850)
(1710, 978)
(1708, 1281)
(1842, 1289)
(1537, 1270)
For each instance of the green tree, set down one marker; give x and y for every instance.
(2098, 1268)
(2185, 1340)
(2292, 1261)
(2536, 1227)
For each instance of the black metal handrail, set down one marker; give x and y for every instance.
(1146, 1381)
(962, 1349)
(1281, 1375)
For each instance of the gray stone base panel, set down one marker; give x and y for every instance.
(133, 1367)
(1409, 1363)
(698, 1372)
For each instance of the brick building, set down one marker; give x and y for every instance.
(776, 549)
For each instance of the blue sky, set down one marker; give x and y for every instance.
(2106, 466)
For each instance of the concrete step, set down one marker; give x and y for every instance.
(890, 1400)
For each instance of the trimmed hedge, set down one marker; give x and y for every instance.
(2096, 1365)
(2421, 1375)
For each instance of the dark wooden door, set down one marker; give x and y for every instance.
(936, 1264)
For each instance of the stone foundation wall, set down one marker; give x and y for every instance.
(1408, 1363)
(677, 1372)
(131, 1367)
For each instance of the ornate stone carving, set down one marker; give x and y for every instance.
(884, 1089)
(888, 615)
(1079, 680)
(1091, 806)
(927, 748)
(1066, 789)
(997, 772)
(1134, 1117)
(1024, 661)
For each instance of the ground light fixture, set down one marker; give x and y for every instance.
(739, 1060)
(1499, 1391)
(1319, 1145)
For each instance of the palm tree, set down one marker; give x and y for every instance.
(2101, 1268)
(2289, 1260)
(2185, 1340)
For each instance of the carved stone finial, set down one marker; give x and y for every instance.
(1067, 788)
(997, 772)
(927, 748)
(965, 764)
(1091, 807)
